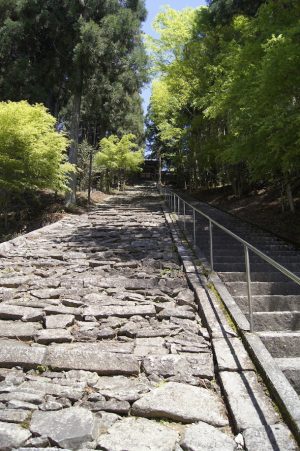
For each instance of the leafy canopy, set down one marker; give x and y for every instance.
(32, 152)
(119, 154)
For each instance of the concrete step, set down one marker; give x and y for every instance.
(282, 343)
(276, 321)
(269, 276)
(291, 368)
(240, 258)
(240, 250)
(273, 303)
(256, 267)
(263, 288)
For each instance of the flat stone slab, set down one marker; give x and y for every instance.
(13, 282)
(47, 336)
(200, 365)
(68, 428)
(15, 353)
(146, 346)
(121, 312)
(12, 436)
(176, 312)
(231, 355)
(184, 403)
(18, 329)
(73, 392)
(138, 434)
(59, 321)
(14, 415)
(248, 403)
(122, 388)
(277, 437)
(64, 357)
(8, 311)
(203, 437)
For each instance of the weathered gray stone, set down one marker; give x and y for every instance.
(72, 303)
(13, 415)
(46, 336)
(47, 293)
(14, 353)
(62, 310)
(17, 312)
(150, 346)
(269, 438)
(34, 398)
(118, 311)
(106, 333)
(67, 357)
(14, 282)
(21, 405)
(177, 312)
(12, 436)
(248, 403)
(50, 405)
(170, 365)
(186, 297)
(18, 329)
(37, 443)
(74, 392)
(105, 420)
(181, 402)
(59, 321)
(203, 437)
(147, 332)
(231, 355)
(67, 428)
(138, 434)
(122, 388)
(110, 405)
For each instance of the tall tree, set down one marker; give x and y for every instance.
(58, 51)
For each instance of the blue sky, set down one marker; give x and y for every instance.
(153, 8)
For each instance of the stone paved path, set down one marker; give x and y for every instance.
(101, 346)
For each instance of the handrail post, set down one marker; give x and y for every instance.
(248, 276)
(194, 226)
(184, 215)
(211, 245)
(174, 203)
(178, 209)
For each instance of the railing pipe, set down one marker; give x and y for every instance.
(249, 291)
(250, 247)
(211, 245)
(194, 226)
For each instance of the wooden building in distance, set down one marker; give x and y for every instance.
(150, 170)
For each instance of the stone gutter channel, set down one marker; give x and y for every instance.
(109, 340)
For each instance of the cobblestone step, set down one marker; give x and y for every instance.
(102, 346)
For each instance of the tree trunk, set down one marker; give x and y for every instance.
(159, 167)
(73, 153)
(290, 197)
(91, 166)
(5, 210)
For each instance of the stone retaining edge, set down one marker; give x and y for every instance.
(281, 391)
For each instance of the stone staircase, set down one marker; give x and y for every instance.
(276, 299)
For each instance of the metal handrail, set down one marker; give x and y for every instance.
(247, 246)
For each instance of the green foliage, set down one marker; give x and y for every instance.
(118, 157)
(84, 60)
(32, 153)
(119, 154)
(226, 103)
